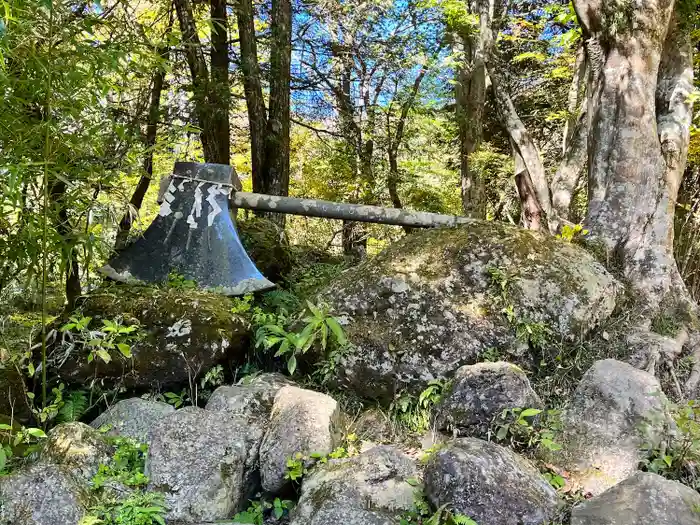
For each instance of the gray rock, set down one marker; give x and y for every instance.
(42, 495)
(253, 398)
(375, 426)
(479, 393)
(427, 304)
(489, 483)
(301, 421)
(204, 463)
(132, 418)
(78, 449)
(615, 412)
(369, 489)
(643, 498)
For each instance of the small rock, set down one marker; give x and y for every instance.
(615, 412)
(132, 418)
(44, 494)
(301, 421)
(643, 498)
(482, 391)
(204, 464)
(78, 449)
(490, 484)
(368, 489)
(375, 426)
(251, 399)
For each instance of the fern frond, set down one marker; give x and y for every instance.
(74, 407)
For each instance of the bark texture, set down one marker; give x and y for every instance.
(470, 97)
(252, 85)
(269, 126)
(639, 117)
(211, 96)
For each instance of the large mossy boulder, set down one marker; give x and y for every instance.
(181, 333)
(435, 301)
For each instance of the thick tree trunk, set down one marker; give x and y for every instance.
(641, 74)
(278, 122)
(219, 90)
(252, 85)
(149, 142)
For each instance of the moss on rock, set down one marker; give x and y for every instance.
(182, 333)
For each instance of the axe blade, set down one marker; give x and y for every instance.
(193, 235)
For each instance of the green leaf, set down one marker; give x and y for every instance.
(337, 330)
(4, 426)
(124, 349)
(530, 412)
(502, 432)
(104, 355)
(36, 433)
(30, 369)
(292, 364)
(413, 482)
(3, 459)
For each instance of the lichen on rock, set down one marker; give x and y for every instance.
(430, 303)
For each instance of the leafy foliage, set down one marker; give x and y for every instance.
(112, 335)
(528, 429)
(318, 327)
(413, 412)
(255, 513)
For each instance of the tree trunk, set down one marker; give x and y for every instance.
(252, 85)
(641, 75)
(566, 179)
(470, 97)
(57, 193)
(149, 143)
(531, 211)
(574, 99)
(276, 159)
(523, 146)
(200, 79)
(219, 91)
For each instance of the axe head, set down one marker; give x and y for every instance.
(192, 235)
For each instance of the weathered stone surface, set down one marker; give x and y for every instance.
(369, 489)
(490, 484)
(78, 449)
(643, 498)
(203, 462)
(182, 334)
(253, 398)
(480, 392)
(301, 421)
(427, 304)
(132, 418)
(374, 426)
(44, 494)
(615, 412)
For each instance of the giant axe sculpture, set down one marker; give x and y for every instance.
(194, 234)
